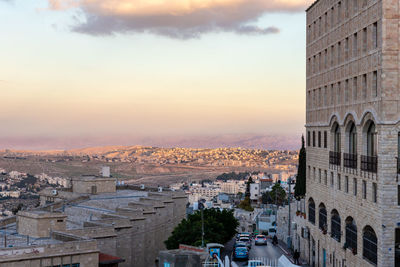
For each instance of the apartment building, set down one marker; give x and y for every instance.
(353, 134)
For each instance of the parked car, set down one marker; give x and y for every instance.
(246, 240)
(241, 253)
(261, 240)
(240, 244)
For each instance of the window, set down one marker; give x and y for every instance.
(332, 50)
(320, 176)
(339, 12)
(326, 178)
(375, 35)
(339, 182)
(313, 138)
(326, 21)
(308, 138)
(319, 97)
(332, 95)
(322, 218)
(332, 182)
(326, 59)
(351, 234)
(365, 40)
(352, 139)
(319, 138)
(375, 84)
(325, 139)
(364, 86)
(354, 88)
(311, 211)
(364, 189)
(336, 233)
(346, 184)
(354, 186)
(314, 173)
(339, 54)
(325, 93)
(374, 192)
(355, 45)
(371, 140)
(339, 93)
(346, 48)
(346, 91)
(370, 242)
(332, 16)
(336, 138)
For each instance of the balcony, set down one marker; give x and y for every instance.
(369, 164)
(350, 160)
(334, 158)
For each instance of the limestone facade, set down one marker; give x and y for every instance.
(353, 125)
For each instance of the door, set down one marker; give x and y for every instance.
(323, 257)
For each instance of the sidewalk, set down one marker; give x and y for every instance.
(289, 253)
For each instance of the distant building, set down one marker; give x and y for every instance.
(255, 192)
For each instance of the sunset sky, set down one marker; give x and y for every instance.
(104, 68)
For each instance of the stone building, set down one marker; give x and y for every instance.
(353, 126)
(127, 224)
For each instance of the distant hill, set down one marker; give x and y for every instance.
(249, 141)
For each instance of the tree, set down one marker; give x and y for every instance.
(266, 198)
(278, 194)
(219, 227)
(250, 181)
(300, 187)
(245, 204)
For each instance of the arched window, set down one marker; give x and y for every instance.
(336, 138)
(371, 140)
(352, 139)
(370, 242)
(369, 161)
(335, 225)
(311, 211)
(350, 157)
(322, 218)
(351, 234)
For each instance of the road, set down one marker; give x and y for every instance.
(268, 252)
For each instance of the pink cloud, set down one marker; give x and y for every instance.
(175, 18)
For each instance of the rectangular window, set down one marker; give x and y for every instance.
(332, 51)
(375, 35)
(326, 21)
(319, 176)
(332, 182)
(325, 139)
(320, 26)
(374, 192)
(326, 59)
(346, 91)
(313, 138)
(355, 186)
(365, 40)
(375, 84)
(332, 95)
(314, 69)
(346, 48)
(339, 13)
(355, 45)
(319, 138)
(355, 88)
(339, 93)
(364, 86)
(339, 182)
(332, 16)
(314, 173)
(319, 97)
(339, 54)
(325, 94)
(309, 170)
(364, 189)
(346, 184)
(308, 138)
(326, 178)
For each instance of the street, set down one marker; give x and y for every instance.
(268, 252)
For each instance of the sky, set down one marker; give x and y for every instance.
(79, 69)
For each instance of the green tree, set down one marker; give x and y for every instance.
(266, 198)
(245, 204)
(278, 194)
(300, 187)
(219, 227)
(250, 181)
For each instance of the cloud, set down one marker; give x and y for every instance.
(182, 19)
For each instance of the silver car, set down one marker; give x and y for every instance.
(261, 240)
